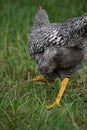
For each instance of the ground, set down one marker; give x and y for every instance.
(22, 103)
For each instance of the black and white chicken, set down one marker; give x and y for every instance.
(59, 49)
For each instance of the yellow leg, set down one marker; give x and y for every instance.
(40, 78)
(64, 84)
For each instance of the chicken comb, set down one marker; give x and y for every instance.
(40, 8)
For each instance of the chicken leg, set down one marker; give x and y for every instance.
(64, 84)
(41, 79)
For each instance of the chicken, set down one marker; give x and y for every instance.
(59, 49)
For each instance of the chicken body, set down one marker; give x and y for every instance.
(58, 49)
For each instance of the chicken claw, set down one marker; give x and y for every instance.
(52, 105)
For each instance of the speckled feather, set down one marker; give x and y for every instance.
(59, 49)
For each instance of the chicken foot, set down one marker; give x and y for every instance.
(41, 79)
(64, 84)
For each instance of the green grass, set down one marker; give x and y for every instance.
(22, 103)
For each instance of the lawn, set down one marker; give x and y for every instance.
(22, 103)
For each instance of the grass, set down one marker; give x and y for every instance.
(22, 103)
